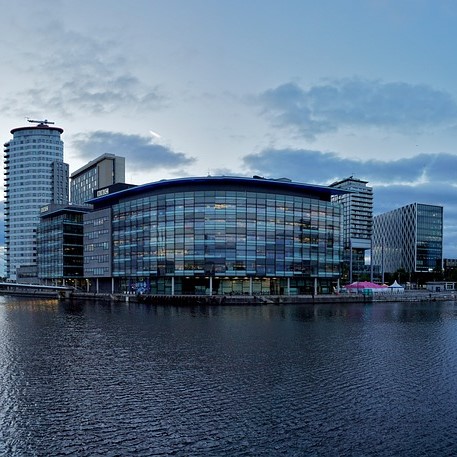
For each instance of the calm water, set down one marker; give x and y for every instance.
(118, 380)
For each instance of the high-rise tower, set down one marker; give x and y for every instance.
(357, 221)
(35, 175)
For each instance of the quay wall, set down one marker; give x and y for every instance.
(409, 296)
(222, 299)
(192, 300)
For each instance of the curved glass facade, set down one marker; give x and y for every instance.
(218, 238)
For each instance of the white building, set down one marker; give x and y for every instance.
(35, 175)
(357, 222)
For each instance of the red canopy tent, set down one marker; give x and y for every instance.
(365, 285)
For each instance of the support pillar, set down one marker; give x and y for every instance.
(96, 285)
(112, 285)
(288, 286)
(172, 285)
(211, 285)
(315, 286)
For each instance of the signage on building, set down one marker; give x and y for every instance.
(102, 192)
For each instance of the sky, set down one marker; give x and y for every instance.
(314, 91)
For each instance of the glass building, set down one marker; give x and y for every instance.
(60, 244)
(214, 235)
(409, 238)
(35, 175)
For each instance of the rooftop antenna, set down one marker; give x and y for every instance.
(44, 122)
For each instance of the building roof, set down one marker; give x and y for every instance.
(350, 179)
(35, 127)
(94, 162)
(244, 183)
(53, 209)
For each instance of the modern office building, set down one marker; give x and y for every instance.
(35, 175)
(60, 244)
(105, 170)
(214, 235)
(409, 238)
(357, 222)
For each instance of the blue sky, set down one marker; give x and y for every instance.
(310, 90)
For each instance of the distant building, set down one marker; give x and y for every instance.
(450, 268)
(214, 235)
(357, 224)
(449, 264)
(35, 175)
(409, 238)
(103, 171)
(27, 274)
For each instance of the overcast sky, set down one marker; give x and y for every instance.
(310, 90)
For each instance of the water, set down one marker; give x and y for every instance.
(94, 379)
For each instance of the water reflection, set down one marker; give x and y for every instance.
(124, 379)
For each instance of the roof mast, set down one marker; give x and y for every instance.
(44, 122)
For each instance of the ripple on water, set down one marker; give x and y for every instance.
(240, 382)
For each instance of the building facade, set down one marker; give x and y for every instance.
(60, 244)
(450, 267)
(357, 222)
(35, 175)
(214, 235)
(98, 254)
(409, 238)
(102, 172)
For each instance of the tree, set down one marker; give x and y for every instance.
(399, 274)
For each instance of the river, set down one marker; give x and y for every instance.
(98, 379)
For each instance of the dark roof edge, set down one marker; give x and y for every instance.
(37, 127)
(273, 183)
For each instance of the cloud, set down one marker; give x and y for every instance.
(324, 167)
(140, 153)
(72, 72)
(350, 103)
(425, 178)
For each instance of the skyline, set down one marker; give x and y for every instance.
(311, 92)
